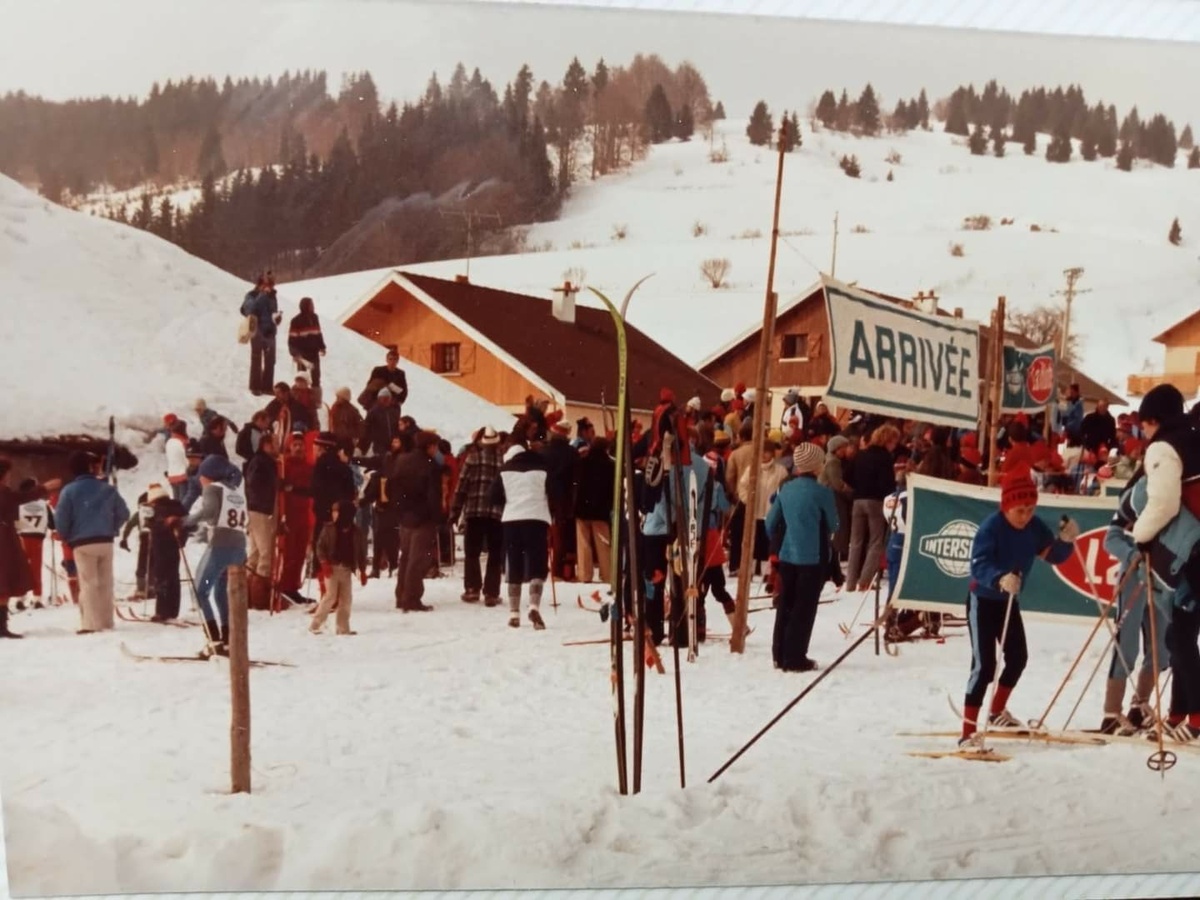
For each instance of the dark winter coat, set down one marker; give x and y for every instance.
(383, 422)
(295, 412)
(264, 307)
(304, 337)
(342, 546)
(332, 482)
(262, 481)
(874, 474)
(14, 567)
(346, 422)
(414, 486)
(383, 377)
(211, 445)
(561, 458)
(594, 487)
(164, 543)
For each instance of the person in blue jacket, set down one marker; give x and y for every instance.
(1003, 552)
(263, 306)
(805, 511)
(88, 518)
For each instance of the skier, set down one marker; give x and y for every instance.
(1134, 615)
(15, 578)
(805, 513)
(223, 509)
(522, 490)
(163, 571)
(89, 515)
(1002, 553)
(479, 519)
(1166, 530)
(34, 519)
(341, 550)
(139, 519)
(306, 344)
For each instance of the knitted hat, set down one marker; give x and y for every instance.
(775, 436)
(727, 395)
(1161, 404)
(694, 404)
(214, 467)
(739, 388)
(170, 419)
(666, 395)
(836, 443)
(808, 458)
(971, 456)
(1017, 489)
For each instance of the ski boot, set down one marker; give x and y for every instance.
(1005, 720)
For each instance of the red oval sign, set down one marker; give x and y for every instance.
(1039, 381)
(1101, 568)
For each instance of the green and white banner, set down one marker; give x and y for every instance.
(1113, 487)
(943, 517)
(893, 361)
(1028, 379)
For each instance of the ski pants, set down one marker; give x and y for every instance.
(796, 614)
(985, 624)
(212, 587)
(1182, 635)
(526, 551)
(143, 560)
(893, 554)
(737, 525)
(33, 544)
(483, 535)
(1131, 605)
(262, 364)
(654, 572)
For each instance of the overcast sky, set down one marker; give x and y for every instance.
(70, 48)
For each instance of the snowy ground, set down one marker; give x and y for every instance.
(448, 751)
(895, 237)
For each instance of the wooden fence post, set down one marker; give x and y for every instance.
(239, 677)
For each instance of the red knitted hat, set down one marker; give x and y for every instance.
(1016, 490)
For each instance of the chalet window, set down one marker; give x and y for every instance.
(445, 359)
(795, 346)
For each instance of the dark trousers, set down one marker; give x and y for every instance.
(387, 540)
(314, 370)
(483, 535)
(737, 524)
(417, 546)
(445, 544)
(262, 364)
(713, 578)
(799, 597)
(526, 551)
(985, 624)
(143, 557)
(654, 572)
(1185, 661)
(163, 581)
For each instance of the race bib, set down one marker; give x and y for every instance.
(33, 518)
(233, 514)
(145, 514)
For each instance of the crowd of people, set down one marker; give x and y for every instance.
(357, 490)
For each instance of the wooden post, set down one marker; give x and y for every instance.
(239, 678)
(997, 368)
(762, 403)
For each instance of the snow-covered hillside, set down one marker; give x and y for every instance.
(893, 236)
(102, 319)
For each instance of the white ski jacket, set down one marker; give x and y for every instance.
(522, 487)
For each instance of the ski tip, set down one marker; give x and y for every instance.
(969, 755)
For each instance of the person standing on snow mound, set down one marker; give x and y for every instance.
(260, 302)
(1003, 552)
(223, 508)
(306, 344)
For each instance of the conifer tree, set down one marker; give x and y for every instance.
(719, 111)
(658, 118)
(998, 141)
(867, 112)
(827, 110)
(1194, 158)
(761, 126)
(1125, 157)
(978, 140)
(1176, 234)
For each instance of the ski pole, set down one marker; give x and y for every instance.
(187, 567)
(804, 693)
(985, 712)
(1163, 759)
(847, 630)
(1087, 684)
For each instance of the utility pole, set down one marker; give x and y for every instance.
(470, 217)
(1073, 275)
(833, 264)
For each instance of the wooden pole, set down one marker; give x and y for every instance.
(762, 403)
(239, 678)
(997, 368)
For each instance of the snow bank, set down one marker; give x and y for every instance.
(103, 319)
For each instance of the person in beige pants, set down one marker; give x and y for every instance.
(341, 548)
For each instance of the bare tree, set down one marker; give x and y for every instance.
(714, 271)
(1043, 325)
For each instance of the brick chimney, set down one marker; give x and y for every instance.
(563, 305)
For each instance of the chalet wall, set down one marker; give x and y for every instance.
(1183, 359)
(393, 317)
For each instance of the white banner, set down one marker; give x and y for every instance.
(893, 361)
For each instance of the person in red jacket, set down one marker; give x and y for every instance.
(297, 521)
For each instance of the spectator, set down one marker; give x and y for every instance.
(306, 344)
(389, 377)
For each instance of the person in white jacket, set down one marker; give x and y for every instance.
(521, 489)
(771, 475)
(177, 464)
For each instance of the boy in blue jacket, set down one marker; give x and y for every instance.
(1002, 554)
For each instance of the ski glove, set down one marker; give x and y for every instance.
(124, 545)
(1068, 530)
(1010, 583)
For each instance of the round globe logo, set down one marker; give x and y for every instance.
(950, 547)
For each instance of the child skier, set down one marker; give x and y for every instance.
(1002, 554)
(341, 549)
(34, 519)
(162, 571)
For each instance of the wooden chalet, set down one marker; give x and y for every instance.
(1181, 343)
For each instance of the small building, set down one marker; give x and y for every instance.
(800, 354)
(505, 347)
(1182, 360)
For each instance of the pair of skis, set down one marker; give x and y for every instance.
(199, 657)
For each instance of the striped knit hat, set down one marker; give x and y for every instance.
(808, 458)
